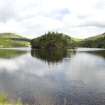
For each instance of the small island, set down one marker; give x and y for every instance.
(53, 40)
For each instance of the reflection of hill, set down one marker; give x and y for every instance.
(54, 55)
(98, 53)
(6, 53)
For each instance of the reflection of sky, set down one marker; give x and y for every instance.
(88, 68)
(25, 73)
(83, 66)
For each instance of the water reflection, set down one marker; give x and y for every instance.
(8, 53)
(94, 51)
(55, 55)
(52, 56)
(98, 53)
(78, 80)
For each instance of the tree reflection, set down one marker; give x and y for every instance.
(50, 56)
(100, 53)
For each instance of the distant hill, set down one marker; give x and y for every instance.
(94, 42)
(13, 40)
(9, 35)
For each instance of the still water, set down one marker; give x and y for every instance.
(53, 78)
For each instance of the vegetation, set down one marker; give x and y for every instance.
(93, 42)
(53, 40)
(8, 40)
(5, 101)
(59, 40)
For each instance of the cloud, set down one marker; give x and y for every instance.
(7, 10)
(78, 18)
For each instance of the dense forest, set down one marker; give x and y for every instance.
(53, 40)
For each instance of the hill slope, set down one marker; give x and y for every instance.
(12, 40)
(94, 42)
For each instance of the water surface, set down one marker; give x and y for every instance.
(53, 77)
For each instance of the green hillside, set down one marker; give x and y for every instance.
(9, 35)
(94, 42)
(12, 40)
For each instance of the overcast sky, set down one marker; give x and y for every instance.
(78, 18)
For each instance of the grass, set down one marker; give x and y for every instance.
(7, 43)
(5, 101)
(8, 40)
(9, 104)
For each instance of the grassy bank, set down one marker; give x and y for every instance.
(4, 100)
(8, 40)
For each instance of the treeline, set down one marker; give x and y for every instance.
(53, 40)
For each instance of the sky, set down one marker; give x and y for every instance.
(32, 18)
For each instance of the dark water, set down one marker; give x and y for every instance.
(53, 77)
